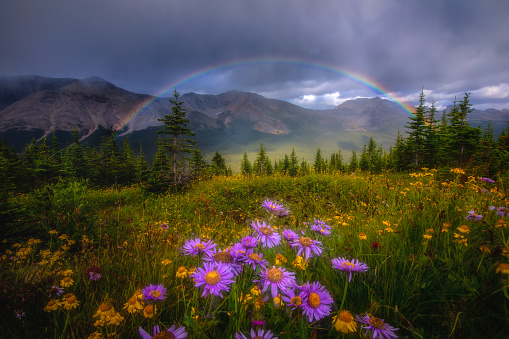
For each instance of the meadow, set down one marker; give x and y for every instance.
(419, 255)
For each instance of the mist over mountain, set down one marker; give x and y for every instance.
(231, 122)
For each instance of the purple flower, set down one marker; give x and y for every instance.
(177, 333)
(473, 216)
(272, 206)
(487, 180)
(196, 246)
(226, 258)
(352, 266)
(321, 227)
(164, 226)
(19, 314)
(55, 291)
(291, 299)
(502, 211)
(249, 242)
(307, 246)
(377, 327)
(238, 252)
(316, 301)
(94, 276)
(261, 334)
(255, 259)
(278, 279)
(290, 235)
(266, 234)
(154, 292)
(215, 277)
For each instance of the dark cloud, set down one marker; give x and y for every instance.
(446, 46)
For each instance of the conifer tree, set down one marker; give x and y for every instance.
(293, 170)
(417, 128)
(219, 164)
(198, 163)
(260, 162)
(364, 159)
(319, 164)
(142, 167)
(177, 144)
(245, 166)
(353, 162)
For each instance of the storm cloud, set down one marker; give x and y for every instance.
(447, 47)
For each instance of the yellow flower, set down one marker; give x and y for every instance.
(503, 268)
(278, 301)
(389, 230)
(501, 223)
(255, 291)
(430, 230)
(66, 282)
(149, 311)
(115, 319)
(427, 236)
(463, 229)
(66, 273)
(484, 249)
(104, 310)
(166, 262)
(344, 322)
(69, 301)
(259, 303)
(100, 323)
(300, 263)
(52, 305)
(280, 260)
(96, 335)
(63, 236)
(182, 272)
(363, 236)
(53, 232)
(133, 305)
(34, 241)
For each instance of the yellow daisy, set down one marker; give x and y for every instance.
(344, 322)
(69, 301)
(503, 268)
(52, 305)
(66, 282)
(149, 311)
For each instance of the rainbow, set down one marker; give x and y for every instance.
(363, 80)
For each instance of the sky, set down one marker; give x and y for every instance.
(314, 53)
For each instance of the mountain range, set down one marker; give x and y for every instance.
(231, 122)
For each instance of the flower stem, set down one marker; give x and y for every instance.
(344, 295)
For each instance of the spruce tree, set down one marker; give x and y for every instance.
(198, 163)
(260, 162)
(177, 144)
(417, 128)
(293, 170)
(319, 164)
(245, 166)
(219, 164)
(353, 162)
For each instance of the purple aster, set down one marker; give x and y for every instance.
(215, 277)
(266, 234)
(290, 235)
(154, 292)
(487, 180)
(94, 276)
(377, 327)
(55, 291)
(502, 211)
(316, 301)
(278, 279)
(291, 299)
(352, 266)
(473, 216)
(307, 246)
(249, 242)
(19, 314)
(163, 225)
(226, 258)
(196, 246)
(238, 251)
(175, 332)
(260, 334)
(255, 259)
(272, 206)
(321, 227)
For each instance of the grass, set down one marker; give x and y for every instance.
(426, 277)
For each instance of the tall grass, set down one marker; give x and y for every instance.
(426, 277)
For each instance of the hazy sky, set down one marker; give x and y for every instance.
(299, 51)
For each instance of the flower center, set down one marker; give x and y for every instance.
(181, 269)
(306, 242)
(155, 294)
(348, 265)
(376, 322)
(164, 335)
(66, 279)
(223, 256)
(71, 300)
(212, 277)
(104, 307)
(199, 247)
(275, 275)
(149, 309)
(265, 230)
(253, 256)
(314, 300)
(345, 316)
(297, 301)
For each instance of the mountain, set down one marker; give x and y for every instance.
(231, 122)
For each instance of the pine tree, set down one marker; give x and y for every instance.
(260, 162)
(142, 167)
(219, 164)
(353, 162)
(431, 138)
(198, 163)
(293, 170)
(417, 128)
(245, 166)
(319, 164)
(176, 145)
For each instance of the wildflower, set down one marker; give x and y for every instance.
(473, 216)
(484, 249)
(194, 247)
(487, 180)
(154, 292)
(53, 232)
(278, 279)
(463, 229)
(352, 266)
(237, 251)
(104, 310)
(344, 322)
(63, 237)
(389, 230)
(501, 223)
(316, 301)
(149, 311)
(290, 235)
(66, 282)
(66, 273)
(52, 305)
(215, 277)
(224, 257)
(457, 171)
(278, 301)
(292, 299)
(377, 327)
(272, 207)
(182, 272)
(114, 319)
(172, 332)
(163, 225)
(55, 291)
(134, 305)
(19, 314)
(503, 268)
(249, 242)
(69, 301)
(166, 262)
(363, 236)
(266, 234)
(427, 236)
(94, 273)
(255, 259)
(255, 291)
(260, 334)
(300, 263)
(321, 228)
(307, 246)
(374, 246)
(280, 260)
(502, 211)
(96, 335)
(258, 322)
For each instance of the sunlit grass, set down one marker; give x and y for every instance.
(432, 272)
